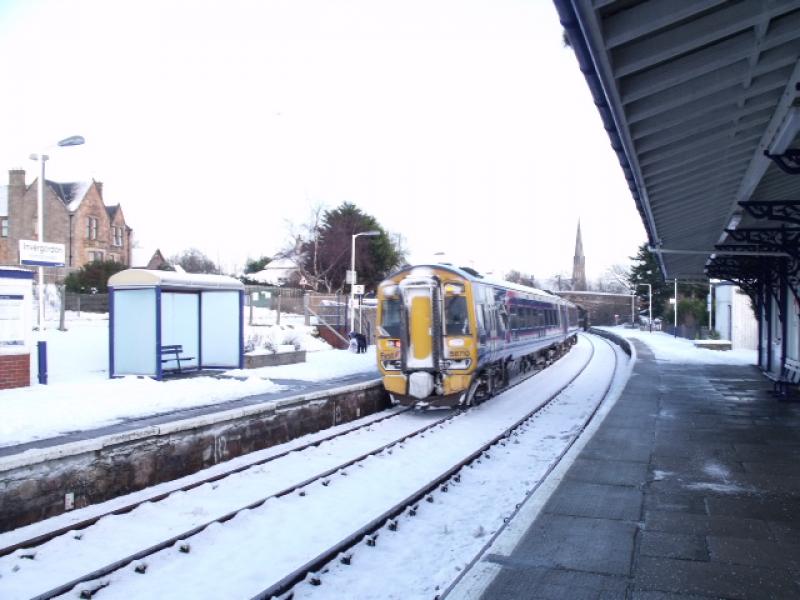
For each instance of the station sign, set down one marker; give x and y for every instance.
(16, 311)
(358, 290)
(42, 254)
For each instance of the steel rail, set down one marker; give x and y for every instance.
(121, 563)
(507, 520)
(43, 538)
(116, 565)
(316, 564)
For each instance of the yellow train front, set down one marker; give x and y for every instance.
(448, 337)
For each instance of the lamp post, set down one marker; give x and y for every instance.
(74, 140)
(353, 275)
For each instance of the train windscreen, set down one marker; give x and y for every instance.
(391, 319)
(456, 321)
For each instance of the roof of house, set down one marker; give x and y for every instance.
(112, 211)
(276, 272)
(70, 193)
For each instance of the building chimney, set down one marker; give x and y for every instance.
(99, 186)
(16, 177)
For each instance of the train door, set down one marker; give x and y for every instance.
(421, 305)
(486, 295)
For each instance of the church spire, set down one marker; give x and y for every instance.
(579, 263)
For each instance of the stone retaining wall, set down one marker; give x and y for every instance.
(34, 485)
(255, 361)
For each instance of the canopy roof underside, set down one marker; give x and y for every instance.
(692, 93)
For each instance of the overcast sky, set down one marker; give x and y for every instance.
(463, 125)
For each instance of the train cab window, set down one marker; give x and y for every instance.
(391, 318)
(456, 321)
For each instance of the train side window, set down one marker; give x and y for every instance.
(479, 319)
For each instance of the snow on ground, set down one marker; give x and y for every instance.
(80, 396)
(672, 349)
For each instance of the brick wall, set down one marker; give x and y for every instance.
(15, 371)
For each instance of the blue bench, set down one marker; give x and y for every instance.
(175, 350)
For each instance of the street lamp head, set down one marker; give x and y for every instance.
(369, 233)
(75, 140)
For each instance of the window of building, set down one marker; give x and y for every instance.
(91, 228)
(116, 233)
(3, 227)
(93, 256)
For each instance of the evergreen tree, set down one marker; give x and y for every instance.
(254, 265)
(92, 276)
(376, 256)
(645, 269)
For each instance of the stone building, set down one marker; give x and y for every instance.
(74, 215)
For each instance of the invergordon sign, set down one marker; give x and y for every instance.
(41, 254)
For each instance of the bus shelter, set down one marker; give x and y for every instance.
(163, 321)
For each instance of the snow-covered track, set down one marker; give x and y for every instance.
(185, 535)
(371, 530)
(421, 551)
(45, 537)
(537, 485)
(286, 512)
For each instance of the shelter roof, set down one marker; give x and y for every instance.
(692, 92)
(145, 278)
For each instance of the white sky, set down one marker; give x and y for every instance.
(464, 125)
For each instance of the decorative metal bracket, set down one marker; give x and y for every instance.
(783, 239)
(788, 162)
(744, 271)
(781, 210)
(731, 249)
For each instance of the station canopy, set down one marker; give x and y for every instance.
(692, 94)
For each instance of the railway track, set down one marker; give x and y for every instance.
(91, 583)
(310, 572)
(43, 538)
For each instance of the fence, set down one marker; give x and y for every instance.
(689, 332)
(94, 303)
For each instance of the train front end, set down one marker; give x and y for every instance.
(427, 348)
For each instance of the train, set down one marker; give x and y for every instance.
(448, 337)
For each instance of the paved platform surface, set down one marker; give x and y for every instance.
(294, 387)
(689, 489)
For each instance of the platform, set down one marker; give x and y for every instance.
(292, 388)
(690, 488)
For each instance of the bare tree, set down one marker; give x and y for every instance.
(616, 279)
